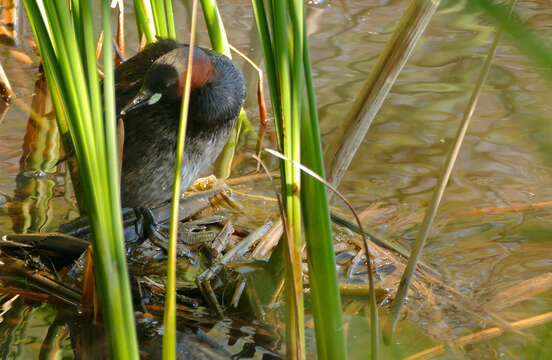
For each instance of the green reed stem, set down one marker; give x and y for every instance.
(88, 54)
(171, 28)
(326, 299)
(288, 71)
(169, 319)
(159, 18)
(77, 20)
(295, 336)
(286, 101)
(72, 88)
(215, 27)
(219, 41)
(145, 24)
(264, 35)
(112, 162)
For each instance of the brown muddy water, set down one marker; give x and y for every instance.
(504, 166)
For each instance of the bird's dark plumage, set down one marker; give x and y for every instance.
(148, 89)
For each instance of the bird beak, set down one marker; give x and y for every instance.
(143, 98)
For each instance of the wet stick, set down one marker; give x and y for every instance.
(369, 100)
(423, 233)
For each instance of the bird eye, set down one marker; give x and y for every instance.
(154, 98)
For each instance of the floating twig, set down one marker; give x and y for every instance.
(500, 210)
(484, 335)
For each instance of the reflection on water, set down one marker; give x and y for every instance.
(32, 332)
(505, 160)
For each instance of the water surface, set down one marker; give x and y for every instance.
(504, 162)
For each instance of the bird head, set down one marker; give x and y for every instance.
(165, 79)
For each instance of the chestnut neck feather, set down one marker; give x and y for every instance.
(202, 71)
